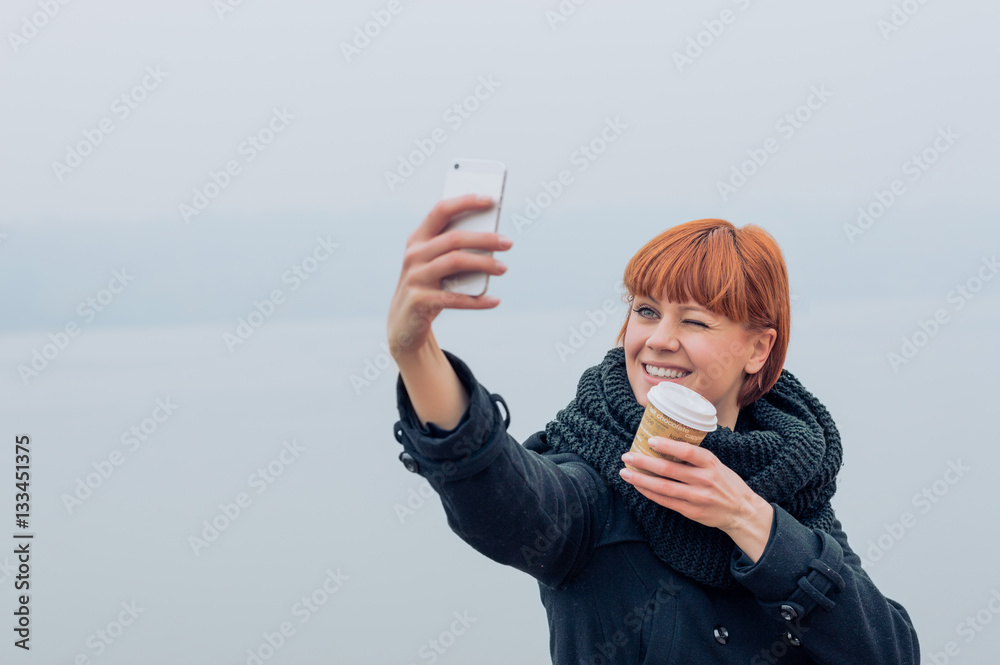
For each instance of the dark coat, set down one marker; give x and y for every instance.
(609, 599)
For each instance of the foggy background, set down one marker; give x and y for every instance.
(177, 164)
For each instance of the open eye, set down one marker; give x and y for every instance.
(640, 308)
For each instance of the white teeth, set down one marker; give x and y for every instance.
(668, 373)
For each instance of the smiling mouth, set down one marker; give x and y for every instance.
(654, 372)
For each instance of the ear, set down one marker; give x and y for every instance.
(761, 343)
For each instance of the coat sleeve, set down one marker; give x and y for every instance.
(541, 514)
(813, 583)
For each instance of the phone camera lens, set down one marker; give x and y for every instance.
(456, 166)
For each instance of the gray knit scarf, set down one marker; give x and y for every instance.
(785, 446)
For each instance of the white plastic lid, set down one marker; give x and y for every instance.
(683, 405)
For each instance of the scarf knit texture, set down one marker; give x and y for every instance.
(785, 446)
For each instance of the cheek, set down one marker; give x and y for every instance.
(632, 345)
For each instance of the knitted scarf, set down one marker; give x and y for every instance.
(785, 446)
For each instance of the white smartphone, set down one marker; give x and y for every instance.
(474, 176)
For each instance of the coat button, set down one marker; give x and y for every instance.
(788, 613)
(721, 634)
(409, 462)
(791, 639)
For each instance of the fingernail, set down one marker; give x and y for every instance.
(627, 458)
(626, 474)
(505, 241)
(501, 265)
(482, 198)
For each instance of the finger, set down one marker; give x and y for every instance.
(444, 210)
(661, 467)
(435, 300)
(682, 450)
(431, 274)
(453, 239)
(465, 301)
(659, 485)
(670, 502)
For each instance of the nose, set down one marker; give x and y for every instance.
(664, 337)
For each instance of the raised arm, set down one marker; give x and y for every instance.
(541, 514)
(514, 505)
(430, 256)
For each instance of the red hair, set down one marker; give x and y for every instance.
(739, 273)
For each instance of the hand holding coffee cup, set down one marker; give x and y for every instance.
(675, 412)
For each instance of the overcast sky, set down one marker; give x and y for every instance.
(222, 76)
(129, 115)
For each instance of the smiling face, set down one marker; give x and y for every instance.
(734, 339)
(711, 353)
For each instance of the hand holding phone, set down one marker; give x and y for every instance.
(482, 177)
(431, 256)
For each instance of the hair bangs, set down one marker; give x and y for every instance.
(703, 266)
(739, 273)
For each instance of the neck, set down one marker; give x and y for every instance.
(727, 409)
(726, 415)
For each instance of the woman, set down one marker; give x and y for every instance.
(733, 555)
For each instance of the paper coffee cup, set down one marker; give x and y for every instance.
(675, 412)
